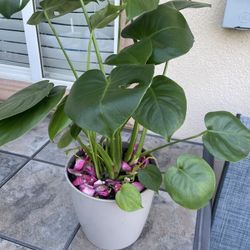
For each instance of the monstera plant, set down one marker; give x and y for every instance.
(99, 105)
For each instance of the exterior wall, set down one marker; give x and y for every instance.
(216, 72)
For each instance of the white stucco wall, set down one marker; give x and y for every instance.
(216, 72)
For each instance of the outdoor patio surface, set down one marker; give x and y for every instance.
(36, 212)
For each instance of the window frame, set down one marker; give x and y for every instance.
(35, 72)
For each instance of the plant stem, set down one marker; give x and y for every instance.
(92, 34)
(165, 69)
(92, 142)
(132, 142)
(140, 146)
(172, 143)
(89, 53)
(60, 44)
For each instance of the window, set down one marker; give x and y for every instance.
(36, 49)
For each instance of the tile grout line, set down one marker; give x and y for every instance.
(14, 154)
(20, 243)
(49, 162)
(28, 159)
(72, 237)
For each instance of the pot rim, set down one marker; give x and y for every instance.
(90, 197)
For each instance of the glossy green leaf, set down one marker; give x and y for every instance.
(25, 99)
(138, 7)
(55, 8)
(103, 17)
(65, 139)
(59, 120)
(167, 30)
(104, 104)
(128, 198)
(15, 126)
(180, 5)
(163, 107)
(10, 7)
(150, 177)
(75, 131)
(138, 53)
(191, 183)
(227, 138)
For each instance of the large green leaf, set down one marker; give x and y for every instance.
(15, 126)
(104, 104)
(65, 139)
(163, 107)
(191, 183)
(128, 198)
(25, 99)
(103, 17)
(139, 53)
(227, 138)
(138, 7)
(168, 31)
(55, 8)
(150, 177)
(180, 5)
(10, 7)
(59, 120)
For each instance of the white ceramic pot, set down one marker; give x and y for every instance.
(105, 224)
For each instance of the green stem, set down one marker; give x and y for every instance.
(60, 44)
(140, 146)
(165, 69)
(93, 155)
(119, 31)
(132, 142)
(98, 54)
(89, 53)
(172, 143)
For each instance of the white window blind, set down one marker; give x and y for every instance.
(13, 49)
(73, 32)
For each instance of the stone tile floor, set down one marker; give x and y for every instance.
(35, 212)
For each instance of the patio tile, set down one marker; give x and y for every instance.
(34, 209)
(9, 164)
(169, 227)
(31, 142)
(7, 245)
(53, 154)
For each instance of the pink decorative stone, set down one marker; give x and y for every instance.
(89, 170)
(78, 181)
(86, 189)
(90, 180)
(117, 187)
(102, 190)
(79, 164)
(138, 185)
(126, 167)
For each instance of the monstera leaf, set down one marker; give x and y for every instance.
(105, 16)
(136, 8)
(25, 99)
(167, 30)
(139, 53)
(10, 7)
(15, 126)
(180, 5)
(191, 183)
(163, 107)
(226, 138)
(55, 8)
(59, 120)
(104, 104)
